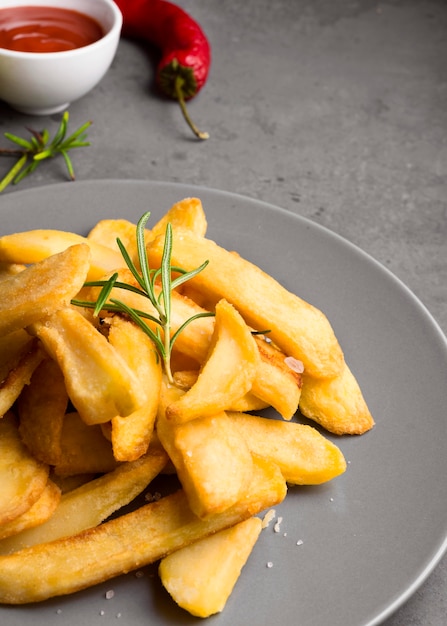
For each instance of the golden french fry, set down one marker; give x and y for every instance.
(201, 576)
(131, 435)
(337, 404)
(91, 503)
(99, 382)
(42, 288)
(32, 246)
(298, 328)
(84, 449)
(39, 512)
(212, 460)
(22, 477)
(41, 409)
(304, 456)
(186, 214)
(19, 377)
(228, 372)
(185, 379)
(128, 542)
(107, 231)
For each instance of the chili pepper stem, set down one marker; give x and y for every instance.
(179, 95)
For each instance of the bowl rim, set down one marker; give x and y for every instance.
(114, 31)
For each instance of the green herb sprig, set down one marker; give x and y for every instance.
(31, 152)
(147, 279)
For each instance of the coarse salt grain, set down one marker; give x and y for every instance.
(110, 594)
(268, 518)
(277, 526)
(294, 364)
(299, 542)
(269, 564)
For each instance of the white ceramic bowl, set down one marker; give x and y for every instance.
(45, 83)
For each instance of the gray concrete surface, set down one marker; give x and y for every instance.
(336, 110)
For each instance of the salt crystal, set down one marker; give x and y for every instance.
(277, 526)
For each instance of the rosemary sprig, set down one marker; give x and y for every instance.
(147, 279)
(39, 147)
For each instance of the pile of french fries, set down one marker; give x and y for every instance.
(88, 417)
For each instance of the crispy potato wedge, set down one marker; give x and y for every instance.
(201, 576)
(42, 288)
(304, 456)
(41, 409)
(130, 541)
(91, 503)
(186, 214)
(337, 404)
(32, 246)
(227, 374)
(12, 386)
(131, 435)
(84, 449)
(213, 462)
(298, 328)
(99, 382)
(22, 477)
(40, 511)
(185, 379)
(107, 231)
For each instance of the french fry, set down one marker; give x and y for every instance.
(32, 246)
(213, 462)
(298, 328)
(37, 514)
(227, 374)
(41, 409)
(186, 214)
(84, 449)
(19, 377)
(131, 435)
(304, 456)
(129, 541)
(42, 288)
(201, 576)
(107, 231)
(99, 382)
(185, 379)
(91, 503)
(22, 477)
(337, 404)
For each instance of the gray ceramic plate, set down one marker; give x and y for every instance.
(370, 537)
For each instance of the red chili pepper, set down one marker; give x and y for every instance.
(186, 54)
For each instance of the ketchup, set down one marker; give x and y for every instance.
(46, 29)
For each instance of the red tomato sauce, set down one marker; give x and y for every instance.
(46, 29)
